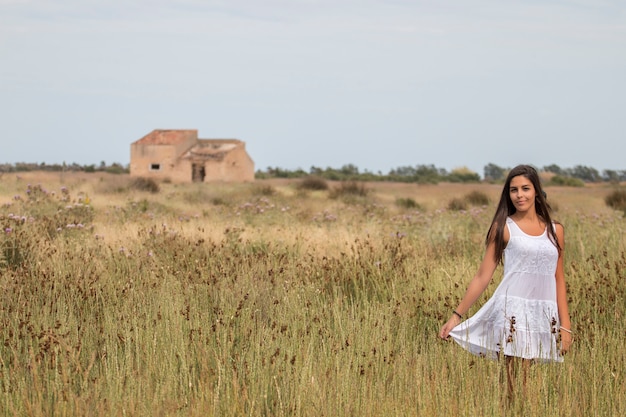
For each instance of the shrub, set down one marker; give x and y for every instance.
(116, 169)
(313, 183)
(54, 211)
(15, 243)
(617, 200)
(463, 175)
(566, 181)
(145, 184)
(408, 203)
(42, 216)
(349, 189)
(457, 204)
(266, 190)
(477, 198)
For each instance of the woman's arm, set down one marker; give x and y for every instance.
(474, 290)
(561, 294)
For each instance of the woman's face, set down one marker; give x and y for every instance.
(522, 193)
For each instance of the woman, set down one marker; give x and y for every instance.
(527, 317)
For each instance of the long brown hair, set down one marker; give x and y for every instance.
(506, 208)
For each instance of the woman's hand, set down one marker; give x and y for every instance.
(450, 324)
(566, 341)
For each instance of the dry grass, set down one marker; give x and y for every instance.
(230, 300)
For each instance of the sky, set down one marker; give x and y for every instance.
(378, 84)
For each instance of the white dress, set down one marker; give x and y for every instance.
(521, 318)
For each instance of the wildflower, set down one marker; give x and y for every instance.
(8, 230)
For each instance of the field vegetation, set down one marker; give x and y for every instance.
(282, 297)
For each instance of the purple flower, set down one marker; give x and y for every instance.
(8, 230)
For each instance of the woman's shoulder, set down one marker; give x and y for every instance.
(495, 225)
(557, 225)
(506, 233)
(559, 231)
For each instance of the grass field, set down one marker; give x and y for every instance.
(264, 299)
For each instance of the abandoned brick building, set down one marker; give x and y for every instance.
(179, 156)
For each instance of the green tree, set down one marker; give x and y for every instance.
(350, 170)
(493, 172)
(555, 169)
(585, 173)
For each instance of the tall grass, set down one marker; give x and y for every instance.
(279, 304)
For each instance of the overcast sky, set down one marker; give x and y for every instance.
(379, 84)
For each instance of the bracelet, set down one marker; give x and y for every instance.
(565, 330)
(457, 314)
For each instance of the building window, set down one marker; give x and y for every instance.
(155, 167)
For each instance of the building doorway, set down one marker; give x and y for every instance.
(197, 172)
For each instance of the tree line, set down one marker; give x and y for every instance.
(114, 168)
(421, 174)
(431, 174)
